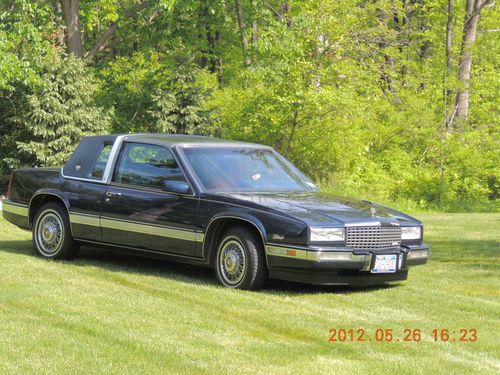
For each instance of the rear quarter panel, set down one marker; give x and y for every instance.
(27, 181)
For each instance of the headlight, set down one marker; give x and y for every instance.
(411, 233)
(327, 234)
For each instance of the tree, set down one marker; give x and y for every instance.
(448, 48)
(58, 114)
(351, 91)
(471, 20)
(241, 27)
(24, 26)
(71, 16)
(180, 106)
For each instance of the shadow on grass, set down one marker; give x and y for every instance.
(287, 287)
(116, 261)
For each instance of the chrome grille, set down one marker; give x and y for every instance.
(379, 237)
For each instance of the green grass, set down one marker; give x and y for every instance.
(110, 313)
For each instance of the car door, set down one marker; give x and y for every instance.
(149, 204)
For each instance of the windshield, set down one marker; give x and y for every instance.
(241, 170)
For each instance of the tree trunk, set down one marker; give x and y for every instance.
(71, 16)
(113, 27)
(285, 8)
(446, 94)
(101, 42)
(215, 58)
(203, 33)
(448, 46)
(449, 34)
(388, 66)
(241, 26)
(211, 55)
(473, 13)
(255, 32)
(292, 133)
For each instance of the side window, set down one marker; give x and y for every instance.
(97, 170)
(147, 166)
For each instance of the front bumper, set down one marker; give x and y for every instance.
(339, 266)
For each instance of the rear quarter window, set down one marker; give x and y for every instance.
(90, 157)
(98, 167)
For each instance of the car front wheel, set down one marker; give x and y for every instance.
(52, 233)
(240, 261)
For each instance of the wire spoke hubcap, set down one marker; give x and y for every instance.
(49, 233)
(232, 262)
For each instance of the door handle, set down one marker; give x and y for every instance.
(111, 194)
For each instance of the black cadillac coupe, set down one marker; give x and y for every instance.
(238, 207)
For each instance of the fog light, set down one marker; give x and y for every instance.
(419, 254)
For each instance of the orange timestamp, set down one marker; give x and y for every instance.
(406, 335)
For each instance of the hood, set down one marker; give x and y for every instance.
(318, 208)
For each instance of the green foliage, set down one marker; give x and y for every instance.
(25, 33)
(149, 98)
(58, 114)
(352, 92)
(353, 95)
(24, 27)
(180, 106)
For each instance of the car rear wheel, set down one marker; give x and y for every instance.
(52, 233)
(240, 261)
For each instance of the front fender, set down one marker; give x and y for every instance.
(220, 222)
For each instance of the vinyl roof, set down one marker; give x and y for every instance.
(182, 140)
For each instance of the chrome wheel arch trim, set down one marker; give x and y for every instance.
(221, 217)
(51, 192)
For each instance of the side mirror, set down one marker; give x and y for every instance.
(174, 186)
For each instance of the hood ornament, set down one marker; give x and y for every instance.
(373, 211)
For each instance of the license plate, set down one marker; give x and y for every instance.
(385, 263)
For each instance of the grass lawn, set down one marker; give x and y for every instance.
(110, 313)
